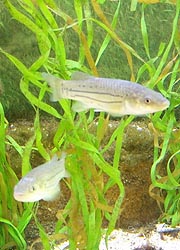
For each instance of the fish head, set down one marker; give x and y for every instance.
(29, 189)
(42, 182)
(145, 101)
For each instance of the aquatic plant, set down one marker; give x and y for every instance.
(13, 217)
(81, 220)
(166, 126)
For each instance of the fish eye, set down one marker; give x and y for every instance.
(147, 100)
(32, 188)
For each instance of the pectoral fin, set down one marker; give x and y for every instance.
(79, 106)
(66, 174)
(52, 194)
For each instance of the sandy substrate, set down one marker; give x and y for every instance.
(161, 238)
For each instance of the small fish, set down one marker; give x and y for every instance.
(115, 96)
(42, 182)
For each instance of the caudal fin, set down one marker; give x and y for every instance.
(55, 84)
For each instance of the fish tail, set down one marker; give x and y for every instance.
(55, 84)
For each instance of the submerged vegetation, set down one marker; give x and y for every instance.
(81, 220)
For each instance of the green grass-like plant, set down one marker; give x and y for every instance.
(13, 216)
(82, 218)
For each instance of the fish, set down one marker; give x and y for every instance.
(114, 96)
(42, 182)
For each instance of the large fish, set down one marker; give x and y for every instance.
(42, 182)
(115, 96)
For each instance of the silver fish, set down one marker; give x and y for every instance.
(115, 96)
(42, 182)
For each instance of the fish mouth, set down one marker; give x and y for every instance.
(165, 104)
(160, 106)
(22, 198)
(18, 197)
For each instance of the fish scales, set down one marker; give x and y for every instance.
(99, 88)
(115, 96)
(100, 92)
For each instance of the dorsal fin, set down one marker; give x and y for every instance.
(80, 76)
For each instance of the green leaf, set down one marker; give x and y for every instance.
(133, 5)
(108, 37)
(144, 32)
(16, 235)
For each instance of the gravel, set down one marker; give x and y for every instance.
(158, 239)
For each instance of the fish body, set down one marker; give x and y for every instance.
(115, 96)
(42, 182)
